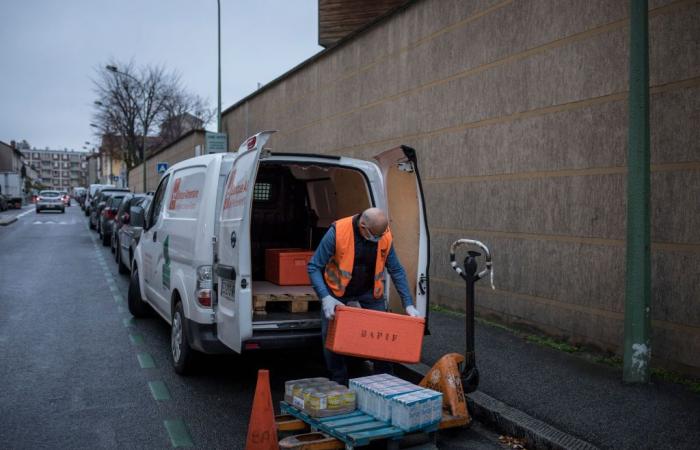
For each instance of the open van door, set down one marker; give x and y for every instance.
(407, 219)
(233, 266)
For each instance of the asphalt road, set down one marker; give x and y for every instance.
(79, 372)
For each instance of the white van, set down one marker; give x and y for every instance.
(201, 258)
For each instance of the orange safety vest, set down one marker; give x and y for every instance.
(339, 269)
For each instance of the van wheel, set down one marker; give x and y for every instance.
(137, 307)
(183, 355)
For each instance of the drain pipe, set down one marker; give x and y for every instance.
(637, 345)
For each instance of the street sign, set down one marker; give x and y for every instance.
(161, 168)
(216, 142)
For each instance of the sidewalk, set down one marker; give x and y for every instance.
(579, 397)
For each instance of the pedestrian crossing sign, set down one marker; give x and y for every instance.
(161, 167)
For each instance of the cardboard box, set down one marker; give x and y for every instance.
(376, 335)
(287, 266)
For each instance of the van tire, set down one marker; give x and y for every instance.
(137, 307)
(182, 354)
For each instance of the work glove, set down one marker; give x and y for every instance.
(412, 311)
(329, 304)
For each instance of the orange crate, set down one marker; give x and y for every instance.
(376, 335)
(287, 266)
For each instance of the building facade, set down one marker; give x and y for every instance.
(521, 135)
(188, 145)
(58, 169)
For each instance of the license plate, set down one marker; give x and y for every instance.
(227, 288)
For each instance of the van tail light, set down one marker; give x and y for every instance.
(204, 297)
(109, 213)
(203, 291)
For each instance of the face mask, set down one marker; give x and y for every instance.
(372, 238)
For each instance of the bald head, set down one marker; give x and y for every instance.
(375, 219)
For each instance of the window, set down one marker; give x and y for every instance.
(158, 202)
(261, 192)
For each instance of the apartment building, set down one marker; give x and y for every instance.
(58, 169)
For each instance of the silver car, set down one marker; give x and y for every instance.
(50, 200)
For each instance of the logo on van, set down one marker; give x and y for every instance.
(166, 263)
(184, 195)
(234, 191)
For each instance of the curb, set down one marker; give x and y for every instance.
(506, 419)
(5, 222)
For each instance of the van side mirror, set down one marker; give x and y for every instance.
(137, 217)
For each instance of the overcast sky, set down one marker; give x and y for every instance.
(49, 50)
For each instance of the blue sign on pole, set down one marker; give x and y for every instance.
(161, 168)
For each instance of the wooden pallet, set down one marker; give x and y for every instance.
(294, 298)
(294, 303)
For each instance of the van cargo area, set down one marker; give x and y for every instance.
(294, 204)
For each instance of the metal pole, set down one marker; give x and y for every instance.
(143, 160)
(218, 115)
(638, 280)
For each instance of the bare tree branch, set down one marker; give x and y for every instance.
(138, 109)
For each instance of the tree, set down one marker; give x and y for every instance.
(133, 102)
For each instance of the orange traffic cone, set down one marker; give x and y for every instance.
(262, 431)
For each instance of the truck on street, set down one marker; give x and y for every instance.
(11, 188)
(200, 261)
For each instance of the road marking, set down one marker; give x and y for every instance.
(146, 361)
(159, 390)
(24, 214)
(128, 322)
(118, 298)
(179, 436)
(136, 339)
(121, 309)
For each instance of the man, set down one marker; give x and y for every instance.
(348, 268)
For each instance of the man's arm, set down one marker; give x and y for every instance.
(317, 264)
(398, 276)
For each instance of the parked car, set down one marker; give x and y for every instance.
(201, 258)
(107, 215)
(50, 200)
(79, 196)
(98, 202)
(128, 234)
(90, 197)
(65, 198)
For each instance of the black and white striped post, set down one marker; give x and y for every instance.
(470, 374)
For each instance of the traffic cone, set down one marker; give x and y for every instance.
(262, 430)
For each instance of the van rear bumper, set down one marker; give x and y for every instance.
(202, 337)
(266, 340)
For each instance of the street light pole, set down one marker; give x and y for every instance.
(143, 134)
(218, 115)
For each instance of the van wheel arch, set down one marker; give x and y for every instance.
(183, 356)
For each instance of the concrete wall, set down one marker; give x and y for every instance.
(179, 150)
(518, 111)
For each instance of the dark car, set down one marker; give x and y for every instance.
(130, 231)
(107, 215)
(98, 202)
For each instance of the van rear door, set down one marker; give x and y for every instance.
(407, 219)
(233, 268)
